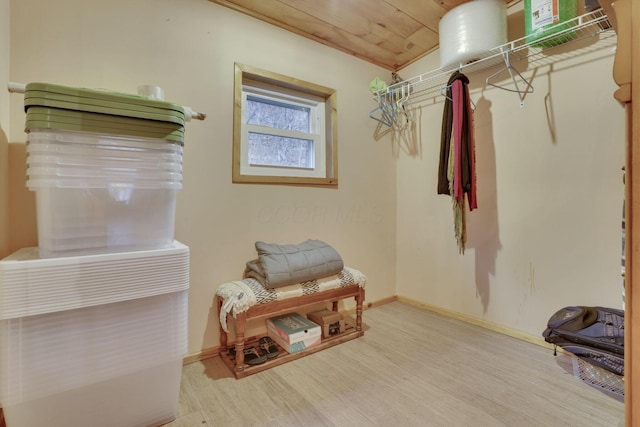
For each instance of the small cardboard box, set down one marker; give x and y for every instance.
(332, 322)
(294, 332)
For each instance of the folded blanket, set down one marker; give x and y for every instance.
(282, 265)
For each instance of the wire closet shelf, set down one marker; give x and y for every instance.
(592, 24)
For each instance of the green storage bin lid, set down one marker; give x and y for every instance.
(33, 96)
(112, 111)
(55, 114)
(103, 102)
(45, 118)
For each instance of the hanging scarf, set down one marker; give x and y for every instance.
(456, 171)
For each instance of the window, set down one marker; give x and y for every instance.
(284, 130)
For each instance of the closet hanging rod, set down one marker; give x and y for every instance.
(189, 114)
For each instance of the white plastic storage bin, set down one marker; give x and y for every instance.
(116, 217)
(91, 144)
(101, 193)
(95, 340)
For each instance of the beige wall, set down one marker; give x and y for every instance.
(547, 231)
(4, 128)
(189, 48)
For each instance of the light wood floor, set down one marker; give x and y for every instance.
(412, 368)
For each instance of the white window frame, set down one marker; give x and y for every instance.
(316, 133)
(320, 100)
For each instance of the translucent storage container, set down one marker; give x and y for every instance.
(111, 218)
(79, 161)
(100, 145)
(102, 193)
(46, 148)
(109, 174)
(81, 346)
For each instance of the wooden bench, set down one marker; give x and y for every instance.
(288, 304)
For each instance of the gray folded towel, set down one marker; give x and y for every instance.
(282, 265)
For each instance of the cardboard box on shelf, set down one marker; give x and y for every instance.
(331, 322)
(294, 332)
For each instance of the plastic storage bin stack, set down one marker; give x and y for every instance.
(93, 340)
(93, 322)
(97, 193)
(105, 169)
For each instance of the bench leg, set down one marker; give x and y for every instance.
(359, 304)
(241, 320)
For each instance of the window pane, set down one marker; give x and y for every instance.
(279, 115)
(272, 150)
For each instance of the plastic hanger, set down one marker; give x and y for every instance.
(386, 111)
(404, 114)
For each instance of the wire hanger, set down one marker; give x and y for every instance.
(443, 92)
(513, 73)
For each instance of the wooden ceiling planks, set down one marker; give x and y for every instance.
(388, 33)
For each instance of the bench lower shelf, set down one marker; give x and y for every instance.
(349, 334)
